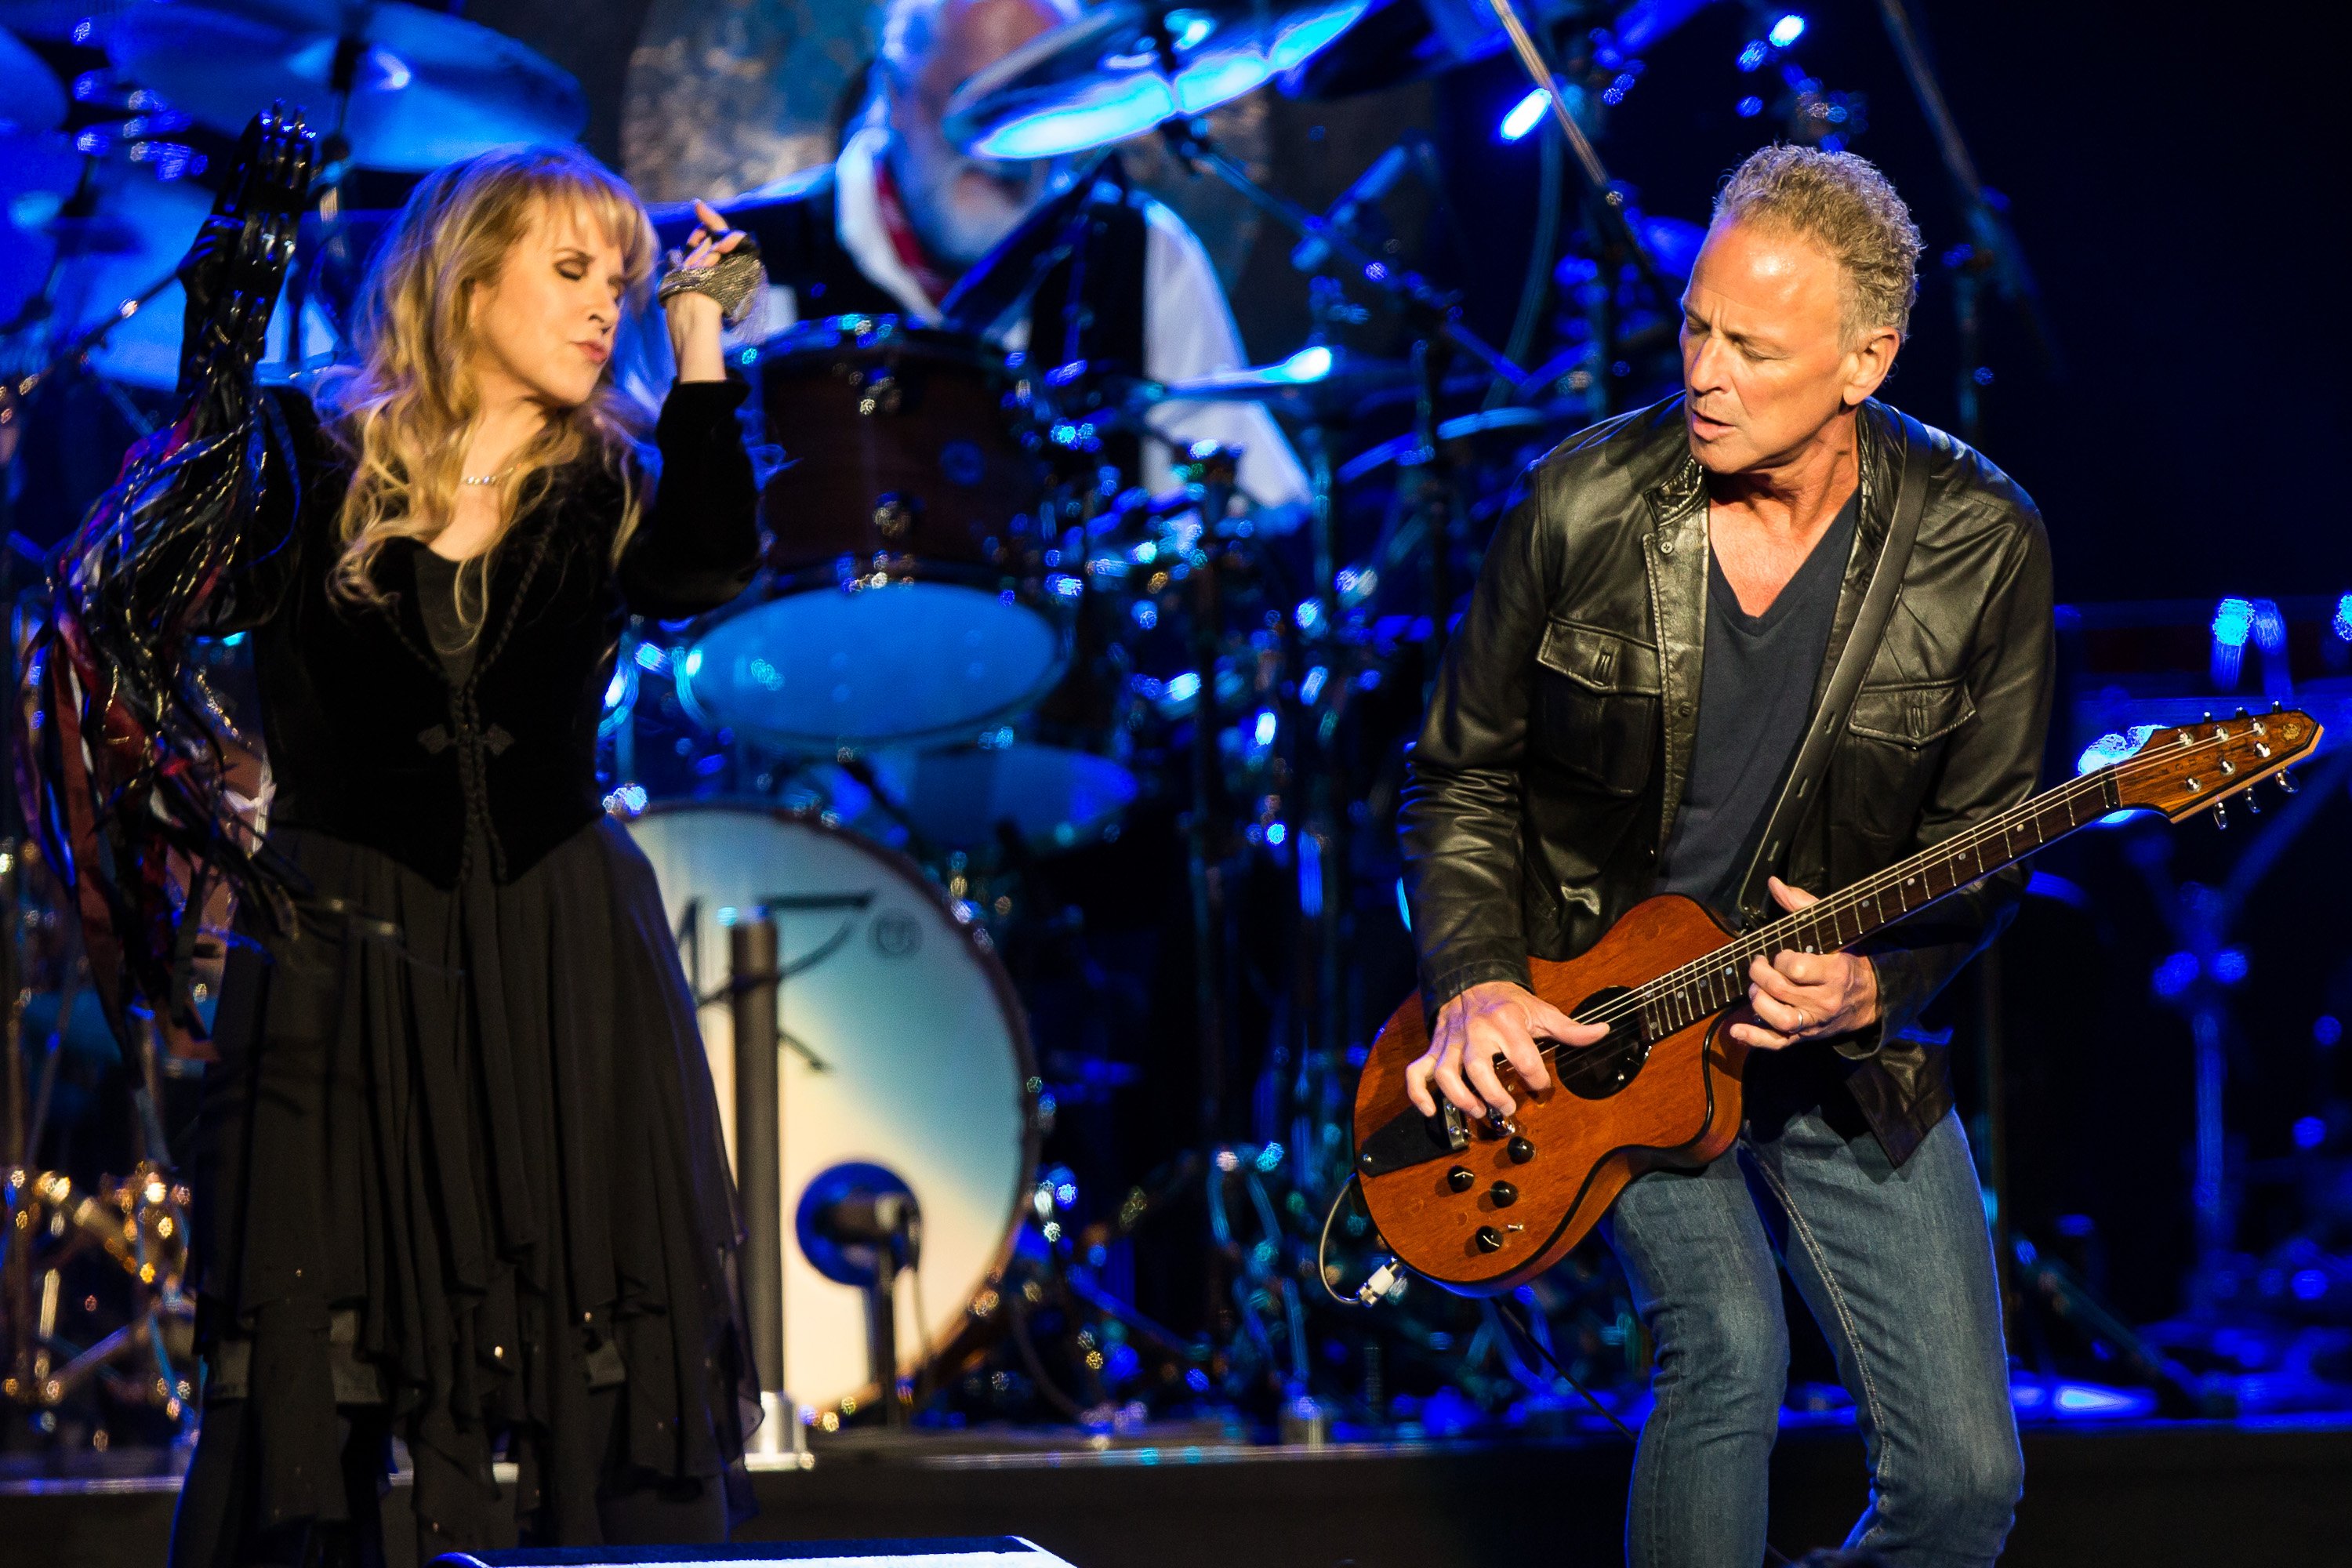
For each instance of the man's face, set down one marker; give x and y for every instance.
(1765, 364)
(962, 206)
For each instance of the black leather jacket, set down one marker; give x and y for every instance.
(1553, 758)
(368, 739)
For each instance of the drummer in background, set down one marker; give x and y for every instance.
(890, 225)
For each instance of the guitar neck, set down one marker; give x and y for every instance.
(1707, 985)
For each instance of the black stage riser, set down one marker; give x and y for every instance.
(2145, 1497)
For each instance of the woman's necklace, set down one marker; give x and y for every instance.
(485, 479)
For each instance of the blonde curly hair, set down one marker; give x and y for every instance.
(1844, 204)
(404, 409)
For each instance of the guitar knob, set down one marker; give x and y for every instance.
(2222, 813)
(1489, 1239)
(2286, 784)
(1521, 1151)
(1504, 1193)
(1460, 1179)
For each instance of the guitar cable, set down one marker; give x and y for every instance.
(1386, 1284)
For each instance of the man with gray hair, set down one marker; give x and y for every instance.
(892, 224)
(1681, 601)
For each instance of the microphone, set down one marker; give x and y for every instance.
(1371, 186)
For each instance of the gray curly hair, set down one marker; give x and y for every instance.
(1844, 204)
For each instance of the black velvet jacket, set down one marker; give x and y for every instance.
(368, 739)
(1554, 757)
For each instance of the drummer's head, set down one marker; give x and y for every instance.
(502, 280)
(960, 205)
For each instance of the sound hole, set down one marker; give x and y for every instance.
(1599, 1071)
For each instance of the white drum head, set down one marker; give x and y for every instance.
(897, 661)
(925, 1061)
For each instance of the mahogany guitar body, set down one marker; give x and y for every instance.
(1583, 1140)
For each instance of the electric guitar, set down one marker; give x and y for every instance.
(1482, 1204)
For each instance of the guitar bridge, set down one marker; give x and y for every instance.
(1409, 1139)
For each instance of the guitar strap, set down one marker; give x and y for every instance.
(1837, 702)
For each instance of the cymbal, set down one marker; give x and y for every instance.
(1317, 381)
(427, 88)
(1126, 65)
(30, 95)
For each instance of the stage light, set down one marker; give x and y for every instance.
(2233, 620)
(2343, 622)
(1748, 108)
(1753, 57)
(2310, 1132)
(1529, 113)
(1308, 365)
(2173, 975)
(2308, 1284)
(2326, 1029)
(1786, 31)
(2269, 626)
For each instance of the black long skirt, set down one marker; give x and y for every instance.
(460, 1176)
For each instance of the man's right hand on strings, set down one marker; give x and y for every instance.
(1494, 1018)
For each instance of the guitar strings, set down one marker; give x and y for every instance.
(1764, 939)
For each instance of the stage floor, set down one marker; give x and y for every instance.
(2138, 1493)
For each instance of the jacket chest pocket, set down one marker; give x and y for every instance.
(1893, 739)
(1594, 710)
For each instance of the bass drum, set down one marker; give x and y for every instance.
(904, 1048)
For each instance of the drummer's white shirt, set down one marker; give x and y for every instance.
(1188, 328)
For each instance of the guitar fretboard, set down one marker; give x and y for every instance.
(1707, 986)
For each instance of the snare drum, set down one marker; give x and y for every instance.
(907, 597)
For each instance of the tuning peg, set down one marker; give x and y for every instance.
(2222, 813)
(2253, 807)
(2286, 784)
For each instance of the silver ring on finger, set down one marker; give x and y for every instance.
(1804, 1020)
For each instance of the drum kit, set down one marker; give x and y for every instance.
(975, 645)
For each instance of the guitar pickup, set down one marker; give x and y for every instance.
(1409, 1139)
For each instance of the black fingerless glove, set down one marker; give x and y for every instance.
(237, 263)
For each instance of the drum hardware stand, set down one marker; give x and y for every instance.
(754, 998)
(891, 1225)
(1611, 196)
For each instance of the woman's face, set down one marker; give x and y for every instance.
(543, 325)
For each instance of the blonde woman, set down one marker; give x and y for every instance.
(460, 1174)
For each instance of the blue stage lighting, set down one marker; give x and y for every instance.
(2327, 1028)
(1308, 364)
(2173, 975)
(2343, 623)
(2308, 1284)
(1748, 108)
(2269, 626)
(1786, 31)
(1529, 113)
(2310, 1132)
(1753, 57)
(2233, 620)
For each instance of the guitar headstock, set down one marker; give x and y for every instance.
(2190, 767)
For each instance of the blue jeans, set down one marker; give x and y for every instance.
(1895, 1266)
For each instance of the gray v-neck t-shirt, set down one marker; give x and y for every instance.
(1756, 677)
